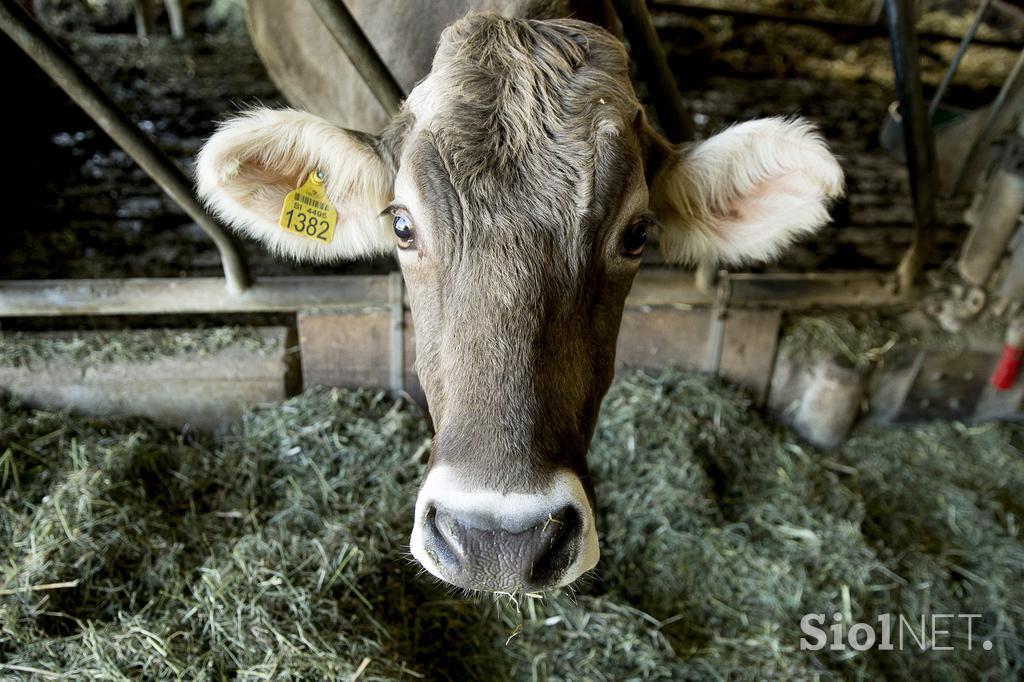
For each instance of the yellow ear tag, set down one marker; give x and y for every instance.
(308, 212)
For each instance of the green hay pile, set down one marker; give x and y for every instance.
(862, 339)
(858, 339)
(19, 349)
(280, 552)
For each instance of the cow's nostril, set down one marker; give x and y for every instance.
(444, 545)
(477, 550)
(561, 533)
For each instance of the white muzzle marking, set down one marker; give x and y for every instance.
(515, 511)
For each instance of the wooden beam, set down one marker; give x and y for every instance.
(206, 295)
(205, 391)
(192, 295)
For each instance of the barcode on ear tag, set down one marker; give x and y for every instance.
(308, 212)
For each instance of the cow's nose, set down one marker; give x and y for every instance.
(498, 541)
(475, 551)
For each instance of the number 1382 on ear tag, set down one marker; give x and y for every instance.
(308, 212)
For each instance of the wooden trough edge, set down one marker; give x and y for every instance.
(209, 295)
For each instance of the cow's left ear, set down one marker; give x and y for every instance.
(746, 193)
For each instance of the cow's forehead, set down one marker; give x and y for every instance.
(525, 73)
(526, 121)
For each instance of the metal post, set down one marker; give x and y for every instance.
(650, 57)
(340, 22)
(918, 138)
(59, 66)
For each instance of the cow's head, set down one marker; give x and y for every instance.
(517, 187)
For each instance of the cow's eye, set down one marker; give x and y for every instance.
(634, 239)
(403, 231)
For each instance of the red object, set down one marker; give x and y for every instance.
(1005, 373)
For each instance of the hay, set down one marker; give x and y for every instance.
(19, 349)
(279, 553)
(864, 339)
(858, 339)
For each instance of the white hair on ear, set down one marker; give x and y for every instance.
(245, 170)
(746, 193)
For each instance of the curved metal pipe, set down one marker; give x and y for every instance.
(72, 79)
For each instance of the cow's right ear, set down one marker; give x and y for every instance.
(253, 161)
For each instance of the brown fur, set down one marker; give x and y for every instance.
(518, 290)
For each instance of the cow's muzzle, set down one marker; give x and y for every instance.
(512, 542)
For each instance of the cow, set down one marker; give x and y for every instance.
(517, 187)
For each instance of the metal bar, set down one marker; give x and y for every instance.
(649, 54)
(860, 29)
(59, 66)
(995, 110)
(204, 295)
(918, 138)
(350, 37)
(947, 78)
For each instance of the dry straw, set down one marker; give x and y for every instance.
(128, 552)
